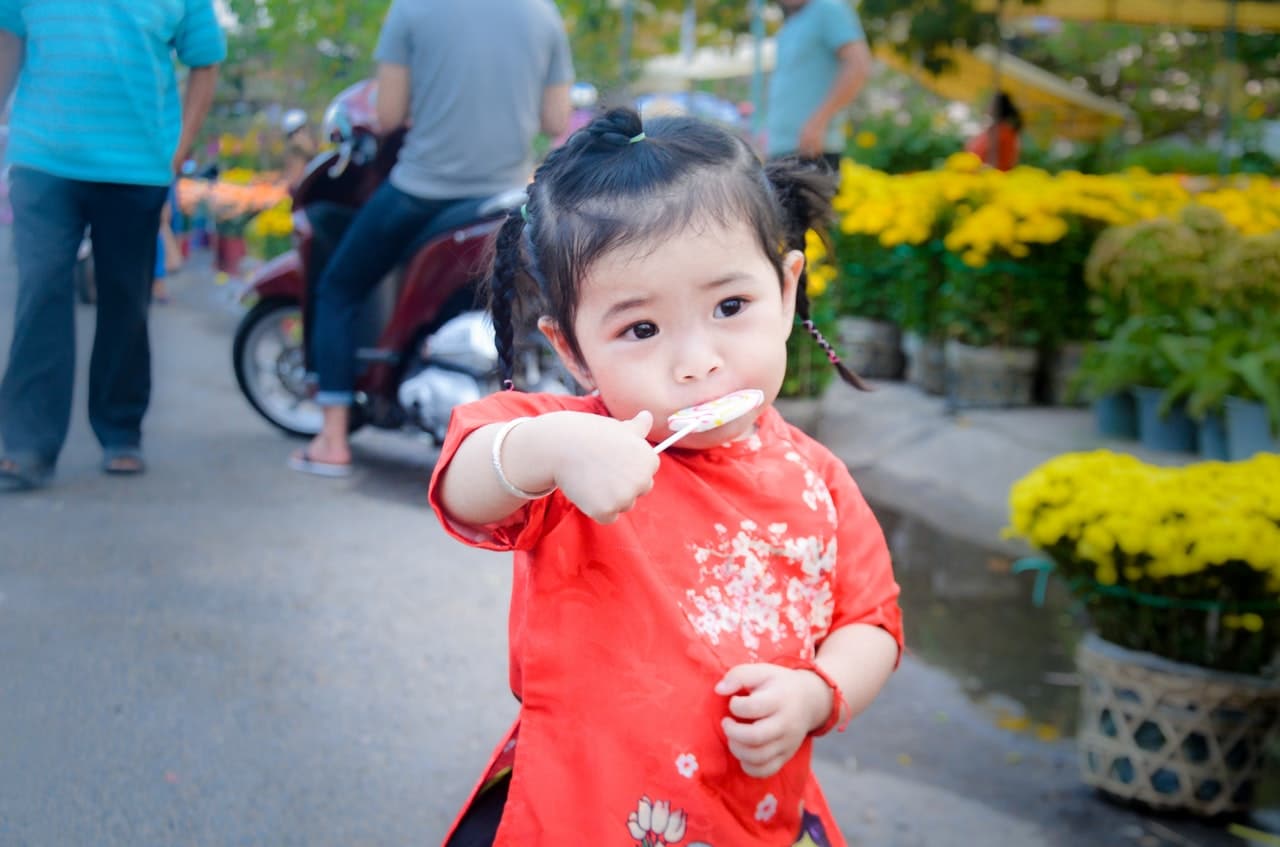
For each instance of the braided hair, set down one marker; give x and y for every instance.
(618, 182)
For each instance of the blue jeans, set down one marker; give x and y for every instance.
(49, 218)
(384, 228)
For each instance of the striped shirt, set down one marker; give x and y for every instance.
(97, 96)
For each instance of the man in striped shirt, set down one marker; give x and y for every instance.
(97, 133)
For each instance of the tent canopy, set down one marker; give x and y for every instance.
(1050, 105)
(1193, 14)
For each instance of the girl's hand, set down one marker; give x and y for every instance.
(605, 465)
(778, 710)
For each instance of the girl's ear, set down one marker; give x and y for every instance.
(792, 266)
(548, 327)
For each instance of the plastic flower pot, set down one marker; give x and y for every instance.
(1174, 431)
(229, 251)
(1248, 430)
(1116, 415)
(1211, 438)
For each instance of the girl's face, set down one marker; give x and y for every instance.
(669, 325)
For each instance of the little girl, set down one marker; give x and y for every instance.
(681, 624)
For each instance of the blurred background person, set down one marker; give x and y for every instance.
(98, 133)
(475, 82)
(1006, 126)
(822, 64)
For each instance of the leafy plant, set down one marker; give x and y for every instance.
(1259, 372)
(1134, 355)
(1155, 265)
(1204, 371)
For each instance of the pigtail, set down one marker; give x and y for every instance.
(804, 191)
(802, 309)
(502, 293)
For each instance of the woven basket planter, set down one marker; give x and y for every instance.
(989, 377)
(873, 349)
(1170, 735)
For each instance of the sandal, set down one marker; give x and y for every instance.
(302, 462)
(16, 476)
(123, 461)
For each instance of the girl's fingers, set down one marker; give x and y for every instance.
(757, 734)
(750, 707)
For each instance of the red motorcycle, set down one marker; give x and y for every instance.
(425, 347)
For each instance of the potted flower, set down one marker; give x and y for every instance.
(887, 244)
(1179, 572)
(1111, 371)
(1249, 290)
(270, 232)
(1252, 417)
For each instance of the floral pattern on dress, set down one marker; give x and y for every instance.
(656, 824)
(745, 589)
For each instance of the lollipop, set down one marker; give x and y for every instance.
(709, 415)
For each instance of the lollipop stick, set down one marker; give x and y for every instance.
(676, 436)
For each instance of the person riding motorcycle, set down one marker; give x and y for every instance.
(475, 82)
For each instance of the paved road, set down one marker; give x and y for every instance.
(223, 652)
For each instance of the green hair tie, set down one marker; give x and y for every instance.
(636, 138)
(524, 212)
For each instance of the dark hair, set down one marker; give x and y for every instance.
(1006, 111)
(616, 182)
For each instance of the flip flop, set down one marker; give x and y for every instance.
(16, 476)
(302, 462)
(123, 461)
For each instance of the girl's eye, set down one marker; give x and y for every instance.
(642, 330)
(729, 307)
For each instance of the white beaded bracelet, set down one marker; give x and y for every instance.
(507, 485)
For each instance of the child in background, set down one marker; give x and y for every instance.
(681, 624)
(1006, 125)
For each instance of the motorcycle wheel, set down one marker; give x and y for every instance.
(271, 368)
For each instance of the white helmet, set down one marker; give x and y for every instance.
(293, 120)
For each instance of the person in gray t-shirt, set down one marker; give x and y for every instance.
(475, 81)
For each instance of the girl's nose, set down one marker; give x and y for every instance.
(698, 360)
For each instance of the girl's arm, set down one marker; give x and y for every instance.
(773, 708)
(859, 658)
(602, 465)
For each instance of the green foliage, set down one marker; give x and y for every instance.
(1167, 157)
(1218, 356)
(1248, 276)
(926, 29)
(1035, 301)
(1133, 355)
(1153, 266)
(808, 370)
(309, 50)
(903, 141)
(865, 284)
(918, 271)
(1173, 80)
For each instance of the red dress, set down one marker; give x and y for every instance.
(748, 552)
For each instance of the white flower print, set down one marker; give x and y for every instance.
(656, 824)
(767, 808)
(687, 765)
(744, 593)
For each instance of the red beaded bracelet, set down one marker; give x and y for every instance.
(841, 711)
